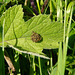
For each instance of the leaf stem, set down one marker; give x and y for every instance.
(40, 65)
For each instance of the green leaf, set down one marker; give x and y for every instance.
(18, 33)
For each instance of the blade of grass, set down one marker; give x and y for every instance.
(51, 7)
(46, 8)
(3, 68)
(31, 59)
(58, 10)
(34, 65)
(66, 43)
(40, 65)
(59, 18)
(60, 59)
(41, 2)
(30, 10)
(51, 62)
(37, 1)
(61, 12)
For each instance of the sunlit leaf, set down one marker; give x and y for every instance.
(18, 32)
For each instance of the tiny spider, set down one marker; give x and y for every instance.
(35, 37)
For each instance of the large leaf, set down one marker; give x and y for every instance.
(18, 33)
